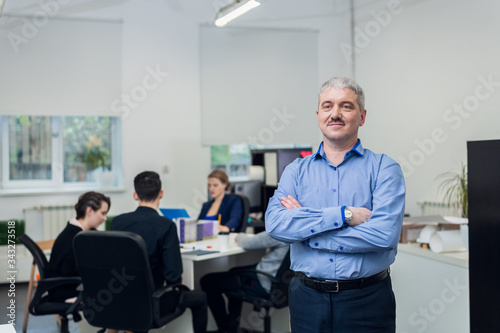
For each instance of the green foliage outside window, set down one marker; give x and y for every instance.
(6, 226)
(95, 155)
(233, 159)
(87, 140)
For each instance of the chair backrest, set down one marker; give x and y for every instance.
(245, 204)
(43, 245)
(117, 281)
(37, 253)
(279, 286)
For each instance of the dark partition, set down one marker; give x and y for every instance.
(484, 235)
(284, 156)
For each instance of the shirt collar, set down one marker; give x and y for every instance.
(146, 210)
(358, 149)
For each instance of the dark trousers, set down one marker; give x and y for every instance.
(197, 302)
(215, 284)
(370, 309)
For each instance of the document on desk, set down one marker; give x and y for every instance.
(199, 252)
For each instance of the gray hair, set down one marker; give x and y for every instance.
(342, 83)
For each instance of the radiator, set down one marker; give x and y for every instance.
(438, 208)
(46, 222)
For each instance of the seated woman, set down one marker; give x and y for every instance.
(227, 206)
(91, 210)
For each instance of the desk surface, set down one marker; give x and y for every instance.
(460, 259)
(209, 245)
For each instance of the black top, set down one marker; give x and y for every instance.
(62, 261)
(160, 236)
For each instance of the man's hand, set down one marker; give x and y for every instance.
(359, 215)
(290, 202)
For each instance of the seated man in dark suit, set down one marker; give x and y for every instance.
(160, 235)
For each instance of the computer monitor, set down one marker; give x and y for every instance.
(252, 189)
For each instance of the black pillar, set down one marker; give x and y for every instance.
(484, 235)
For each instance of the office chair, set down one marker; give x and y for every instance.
(278, 295)
(41, 304)
(33, 282)
(245, 204)
(118, 289)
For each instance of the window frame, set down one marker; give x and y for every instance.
(57, 184)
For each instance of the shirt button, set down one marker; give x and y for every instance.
(331, 259)
(336, 224)
(312, 231)
(334, 190)
(334, 168)
(341, 248)
(316, 244)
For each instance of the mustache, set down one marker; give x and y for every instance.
(335, 121)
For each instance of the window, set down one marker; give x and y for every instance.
(41, 152)
(233, 159)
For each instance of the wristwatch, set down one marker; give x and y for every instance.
(348, 215)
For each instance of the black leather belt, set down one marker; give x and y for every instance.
(334, 286)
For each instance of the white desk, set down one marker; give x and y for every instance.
(195, 266)
(431, 289)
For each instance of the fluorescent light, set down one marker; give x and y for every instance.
(232, 11)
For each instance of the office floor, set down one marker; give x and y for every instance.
(48, 324)
(36, 324)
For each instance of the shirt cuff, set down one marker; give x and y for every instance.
(345, 224)
(333, 217)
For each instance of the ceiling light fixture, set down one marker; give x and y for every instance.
(233, 10)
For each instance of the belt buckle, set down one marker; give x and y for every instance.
(336, 284)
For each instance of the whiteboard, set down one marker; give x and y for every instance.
(258, 86)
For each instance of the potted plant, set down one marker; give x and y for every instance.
(97, 158)
(95, 155)
(454, 185)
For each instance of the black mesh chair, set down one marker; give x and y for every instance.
(278, 295)
(245, 204)
(41, 304)
(118, 289)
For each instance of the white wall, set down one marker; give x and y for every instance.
(430, 57)
(164, 129)
(425, 60)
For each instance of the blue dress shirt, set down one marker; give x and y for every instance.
(321, 246)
